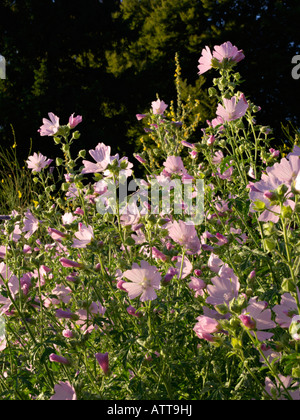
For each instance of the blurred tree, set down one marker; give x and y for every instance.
(107, 60)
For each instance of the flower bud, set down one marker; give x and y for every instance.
(102, 359)
(248, 321)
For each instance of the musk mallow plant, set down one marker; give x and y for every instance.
(106, 292)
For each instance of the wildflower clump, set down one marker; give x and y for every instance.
(182, 285)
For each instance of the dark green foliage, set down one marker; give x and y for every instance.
(107, 60)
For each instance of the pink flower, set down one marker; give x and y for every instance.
(205, 327)
(74, 121)
(222, 52)
(286, 310)
(159, 107)
(49, 128)
(31, 224)
(63, 294)
(174, 165)
(64, 392)
(144, 281)
(102, 359)
(197, 285)
(84, 236)
(295, 152)
(205, 61)
(228, 51)
(68, 218)
(37, 162)
(233, 108)
(140, 116)
(69, 263)
(56, 235)
(278, 391)
(262, 319)
(224, 288)
(248, 321)
(158, 254)
(132, 311)
(61, 314)
(140, 159)
(284, 172)
(101, 154)
(187, 267)
(59, 359)
(68, 333)
(218, 157)
(214, 263)
(185, 235)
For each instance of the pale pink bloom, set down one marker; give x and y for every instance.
(205, 327)
(85, 316)
(101, 154)
(102, 359)
(187, 267)
(218, 157)
(159, 107)
(122, 163)
(262, 318)
(58, 359)
(68, 218)
(205, 61)
(74, 121)
(217, 123)
(224, 288)
(284, 172)
(12, 280)
(64, 392)
(63, 294)
(286, 310)
(130, 215)
(214, 263)
(37, 162)
(49, 127)
(174, 165)
(240, 237)
(295, 152)
(197, 285)
(31, 224)
(144, 280)
(233, 108)
(185, 235)
(228, 51)
(226, 173)
(278, 391)
(84, 236)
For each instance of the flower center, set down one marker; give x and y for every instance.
(145, 283)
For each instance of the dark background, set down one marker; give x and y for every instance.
(106, 60)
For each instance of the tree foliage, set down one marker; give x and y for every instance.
(108, 59)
